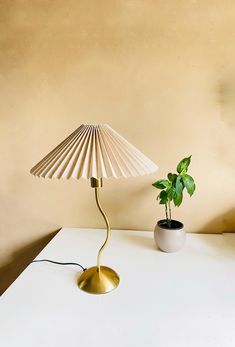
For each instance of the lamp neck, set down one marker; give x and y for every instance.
(97, 183)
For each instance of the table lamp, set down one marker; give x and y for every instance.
(95, 152)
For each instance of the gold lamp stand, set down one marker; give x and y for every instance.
(99, 279)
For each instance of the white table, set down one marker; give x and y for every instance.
(178, 299)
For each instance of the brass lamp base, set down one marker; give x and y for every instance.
(98, 282)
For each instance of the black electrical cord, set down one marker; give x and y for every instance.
(57, 262)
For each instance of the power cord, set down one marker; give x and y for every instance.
(57, 262)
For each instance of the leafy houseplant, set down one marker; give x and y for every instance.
(172, 191)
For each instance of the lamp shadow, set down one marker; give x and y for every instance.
(21, 259)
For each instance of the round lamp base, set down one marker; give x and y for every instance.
(98, 282)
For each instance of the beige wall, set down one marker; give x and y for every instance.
(162, 73)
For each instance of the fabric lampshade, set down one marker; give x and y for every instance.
(94, 151)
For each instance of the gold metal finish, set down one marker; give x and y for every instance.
(99, 279)
(98, 282)
(96, 182)
(97, 198)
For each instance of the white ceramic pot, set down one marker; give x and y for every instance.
(169, 239)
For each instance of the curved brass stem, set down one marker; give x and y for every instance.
(97, 198)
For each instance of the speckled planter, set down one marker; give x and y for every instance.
(169, 239)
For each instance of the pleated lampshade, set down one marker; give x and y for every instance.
(94, 151)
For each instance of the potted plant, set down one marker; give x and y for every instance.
(169, 234)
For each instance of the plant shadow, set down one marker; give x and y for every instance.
(142, 241)
(224, 225)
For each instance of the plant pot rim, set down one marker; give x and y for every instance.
(176, 225)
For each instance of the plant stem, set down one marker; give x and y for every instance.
(166, 212)
(167, 215)
(169, 207)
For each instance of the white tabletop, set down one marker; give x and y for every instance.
(178, 299)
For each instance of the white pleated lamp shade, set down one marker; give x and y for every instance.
(94, 151)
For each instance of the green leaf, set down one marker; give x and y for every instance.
(163, 197)
(172, 177)
(170, 193)
(178, 184)
(183, 165)
(189, 184)
(162, 184)
(178, 195)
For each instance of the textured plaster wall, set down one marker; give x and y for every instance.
(162, 73)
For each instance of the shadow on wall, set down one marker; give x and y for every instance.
(20, 260)
(224, 243)
(224, 223)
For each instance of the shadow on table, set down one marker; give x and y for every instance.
(141, 240)
(20, 260)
